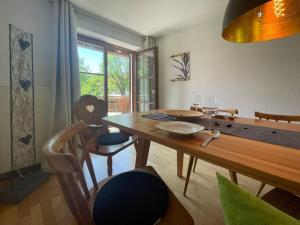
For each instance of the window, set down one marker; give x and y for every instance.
(91, 67)
(106, 72)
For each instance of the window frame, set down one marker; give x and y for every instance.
(107, 47)
(100, 49)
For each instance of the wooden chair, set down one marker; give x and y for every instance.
(194, 160)
(91, 110)
(284, 201)
(287, 118)
(80, 200)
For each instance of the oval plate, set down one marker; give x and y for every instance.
(186, 114)
(179, 127)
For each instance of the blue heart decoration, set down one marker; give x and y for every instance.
(24, 44)
(26, 140)
(25, 84)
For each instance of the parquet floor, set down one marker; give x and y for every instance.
(46, 205)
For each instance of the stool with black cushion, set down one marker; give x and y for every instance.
(138, 197)
(97, 136)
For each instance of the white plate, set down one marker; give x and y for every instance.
(179, 127)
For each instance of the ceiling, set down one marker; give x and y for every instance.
(154, 17)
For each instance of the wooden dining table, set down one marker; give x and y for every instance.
(272, 164)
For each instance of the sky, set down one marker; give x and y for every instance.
(92, 58)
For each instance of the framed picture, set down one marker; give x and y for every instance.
(181, 65)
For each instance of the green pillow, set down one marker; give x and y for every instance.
(243, 208)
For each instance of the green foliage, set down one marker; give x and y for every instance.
(92, 84)
(118, 77)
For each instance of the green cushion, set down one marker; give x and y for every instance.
(243, 208)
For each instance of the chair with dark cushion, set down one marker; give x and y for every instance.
(276, 117)
(267, 116)
(99, 140)
(138, 197)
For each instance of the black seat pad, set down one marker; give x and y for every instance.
(112, 139)
(131, 198)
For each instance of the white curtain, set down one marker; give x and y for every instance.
(66, 80)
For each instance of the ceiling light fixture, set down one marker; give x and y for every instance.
(261, 20)
(279, 8)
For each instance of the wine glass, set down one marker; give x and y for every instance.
(209, 108)
(197, 101)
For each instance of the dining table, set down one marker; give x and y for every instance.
(273, 164)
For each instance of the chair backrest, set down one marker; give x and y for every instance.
(60, 154)
(90, 109)
(288, 118)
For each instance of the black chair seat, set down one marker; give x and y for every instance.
(131, 198)
(112, 139)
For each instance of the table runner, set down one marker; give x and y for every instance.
(269, 135)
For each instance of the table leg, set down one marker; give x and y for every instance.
(180, 156)
(142, 147)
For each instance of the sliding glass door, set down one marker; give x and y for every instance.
(147, 80)
(118, 71)
(105, 72)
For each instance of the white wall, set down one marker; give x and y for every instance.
(263, 77)
(36, 17)
(106, 30)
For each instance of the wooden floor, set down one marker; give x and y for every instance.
(46, 205)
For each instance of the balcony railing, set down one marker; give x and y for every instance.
(118, 104)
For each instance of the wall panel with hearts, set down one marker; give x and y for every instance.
(22, 99)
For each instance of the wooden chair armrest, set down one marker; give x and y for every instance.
(95, 126)
(97, 129)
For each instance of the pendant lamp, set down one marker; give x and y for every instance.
(261, 20)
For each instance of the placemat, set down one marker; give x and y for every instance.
(160, 117)
(269, 135)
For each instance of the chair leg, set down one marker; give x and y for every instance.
(262, 185)
(195, 164)
(91, 170)
(109, 166)
(233, 177)
(191, 161)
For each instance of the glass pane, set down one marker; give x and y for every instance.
(91, 58)
(146, 83)
(118, 68)
(92, 85)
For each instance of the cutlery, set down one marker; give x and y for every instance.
(214, 135)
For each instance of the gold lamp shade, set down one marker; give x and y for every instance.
(260, 20)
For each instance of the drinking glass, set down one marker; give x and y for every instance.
(197, 101)
(209, 107)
